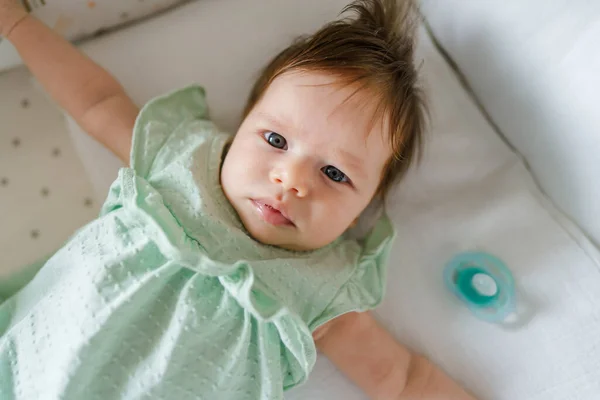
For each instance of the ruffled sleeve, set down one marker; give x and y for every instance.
(159, 118)
(365, 288)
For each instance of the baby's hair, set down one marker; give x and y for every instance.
(374, 50)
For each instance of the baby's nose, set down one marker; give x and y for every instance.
(293, 177)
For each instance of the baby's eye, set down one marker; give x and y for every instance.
(334, 174)
(276, 140)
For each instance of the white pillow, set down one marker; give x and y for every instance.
(535, 67)
(79, 19)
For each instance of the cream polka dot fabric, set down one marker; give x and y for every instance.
(44, 195)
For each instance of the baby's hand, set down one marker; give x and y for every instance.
(11, 12)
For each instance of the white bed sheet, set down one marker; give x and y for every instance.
(471, 192)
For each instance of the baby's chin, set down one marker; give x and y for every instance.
(278, 237)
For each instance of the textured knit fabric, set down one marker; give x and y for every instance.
(166, 296)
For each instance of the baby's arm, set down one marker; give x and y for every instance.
(382, 367)
(95, 100)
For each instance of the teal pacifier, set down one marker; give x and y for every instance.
(483, 283)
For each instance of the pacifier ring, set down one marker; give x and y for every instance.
(483, 283)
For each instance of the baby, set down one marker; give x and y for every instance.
(218, 265)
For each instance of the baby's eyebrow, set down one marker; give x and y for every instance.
(350, 158)
(354, 162)
(279, 125)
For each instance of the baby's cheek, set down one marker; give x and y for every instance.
(336, 219)
(245, 158)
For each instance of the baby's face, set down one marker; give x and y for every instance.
(305, 162)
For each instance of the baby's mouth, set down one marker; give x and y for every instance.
(271, 213)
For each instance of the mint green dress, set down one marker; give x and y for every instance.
(165, 296)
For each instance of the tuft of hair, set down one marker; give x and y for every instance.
(373, 49)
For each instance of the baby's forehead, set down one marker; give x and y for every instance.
(325, 104)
